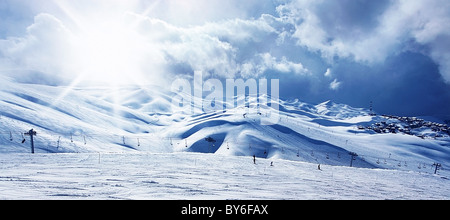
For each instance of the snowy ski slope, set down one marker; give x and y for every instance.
(127, 143)
(203, 176)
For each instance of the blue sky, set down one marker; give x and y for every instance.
(395, 53)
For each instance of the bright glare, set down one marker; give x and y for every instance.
(106, 47)
(110, 53)
(109, 50)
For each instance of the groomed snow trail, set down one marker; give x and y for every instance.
(203, 176)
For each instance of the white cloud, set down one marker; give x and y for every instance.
(371, 34)
(335, 85)
(241, 31)
(195, 47)
(429, 24)
(247, 46)
(141, 44)
(328, 73)
(332, 35)
(45, 48)
(265, 62)
(218, 48)
(187, 13)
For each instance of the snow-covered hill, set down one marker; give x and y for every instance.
(132, 118)
(140, 120)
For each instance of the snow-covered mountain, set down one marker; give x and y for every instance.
(132, 118)
(130, 144)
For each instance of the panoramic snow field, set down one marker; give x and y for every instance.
(127, 143)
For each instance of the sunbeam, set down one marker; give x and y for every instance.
(107, 48)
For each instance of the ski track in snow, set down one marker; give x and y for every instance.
(203, 176)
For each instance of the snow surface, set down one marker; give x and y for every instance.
(128, 143)
(202, 176)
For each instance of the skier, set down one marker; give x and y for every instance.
(318, 167)
(254, 159)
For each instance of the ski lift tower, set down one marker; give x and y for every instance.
(31, 133)
(437, 167)
(371, 109)
(353, 155)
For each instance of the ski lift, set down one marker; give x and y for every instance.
(23, 139)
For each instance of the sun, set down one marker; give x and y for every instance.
(107, 48)
(110, 53)
(109, 43)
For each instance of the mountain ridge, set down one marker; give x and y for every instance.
(127, 119)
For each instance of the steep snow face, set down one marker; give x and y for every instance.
(137, 119)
